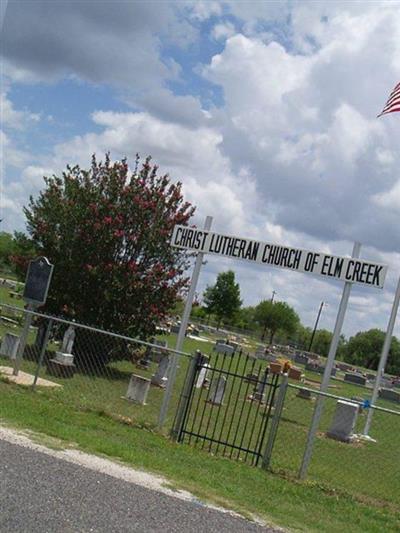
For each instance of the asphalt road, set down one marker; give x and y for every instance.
(41, 493)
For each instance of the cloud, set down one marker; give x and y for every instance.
(12, 118)
(100, 42)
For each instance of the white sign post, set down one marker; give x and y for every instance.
(182, 332)
(328, 370)
(383, 358)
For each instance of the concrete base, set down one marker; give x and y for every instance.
(65, 358)
(60, 370)
(25, 379)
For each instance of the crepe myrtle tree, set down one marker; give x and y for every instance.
(107, 231)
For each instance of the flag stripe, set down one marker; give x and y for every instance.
(393, 103)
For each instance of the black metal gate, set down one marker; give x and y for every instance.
(226, 405)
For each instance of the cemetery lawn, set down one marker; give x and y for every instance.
(284, 502)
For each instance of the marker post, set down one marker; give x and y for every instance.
(182, 332)
(328, 370)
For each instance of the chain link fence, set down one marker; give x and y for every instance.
(108, 373)
(343, 459)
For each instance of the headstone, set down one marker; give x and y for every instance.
(370, 377)
(275, 368)
(64, 356)
(345, 367)
(217, 391)
(202, 377)
(295, 373)
(138, 389)
(315, 367)
(389, 394)
(352, 377)
(300, 359)
(224, 348)
(344, 421)
(259, 391)
(160, 377)
(305, 394)
(175, 328)
(9, 345)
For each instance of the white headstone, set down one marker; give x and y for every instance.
(138, 389)
(217, 391)
(68, 340)
(202, 376)
(9, 345)
(344, 421)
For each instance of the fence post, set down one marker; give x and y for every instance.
(266, 460)
(184, 401)
(23, 338)
(42, 352)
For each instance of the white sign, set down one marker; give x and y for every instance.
(264, 253)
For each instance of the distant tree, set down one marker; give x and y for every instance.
(245, 318)
(364, 349)
(223, 298)
(6, 249)
(276, 316)
(23, 250)
(107, 232)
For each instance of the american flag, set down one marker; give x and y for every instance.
(393, 103)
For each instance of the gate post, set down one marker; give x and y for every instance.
(266, 459)
(186, 395)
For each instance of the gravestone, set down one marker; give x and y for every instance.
(300, 358)
(259, 391)
(224, 348)
(217, 391)
(304, 394)
(9, 345)
(358, 379)
(295, 373)
(160, 377)
(344, 421)
(63, 364)
(202, 377)
(314, 367)
(175, 328)
(138, 389)
(345, 367)
(64, 356)
(389, 394)
(370, 377)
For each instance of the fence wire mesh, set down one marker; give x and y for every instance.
(342, 459)
(98, 376)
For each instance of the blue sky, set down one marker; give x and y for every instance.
(266, 111)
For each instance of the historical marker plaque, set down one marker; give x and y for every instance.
(38, 281)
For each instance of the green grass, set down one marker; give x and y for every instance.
(298, 506)
(344, 478)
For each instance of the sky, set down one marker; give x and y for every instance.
(265, 111)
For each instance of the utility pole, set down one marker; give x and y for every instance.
(316, 325)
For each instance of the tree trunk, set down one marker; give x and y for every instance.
(271, 337)
(264, 332)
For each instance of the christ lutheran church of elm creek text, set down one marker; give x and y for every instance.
(330, 266)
